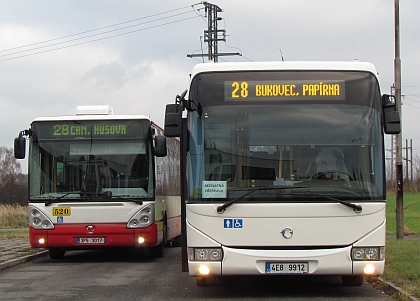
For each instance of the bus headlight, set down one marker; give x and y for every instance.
(39, 220)
(205, 254)
(143, 218)
(204, 270)
(371, 253)
(369, 269)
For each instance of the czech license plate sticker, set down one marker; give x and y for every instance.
(90, 240)
(286, 268)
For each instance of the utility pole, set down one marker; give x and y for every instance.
(213, 35)
(408, 161)
(398, 165)
(393, 142)
(411, 159)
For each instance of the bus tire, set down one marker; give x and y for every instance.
(352, 280)
(56, 253)
(165, 231)
(205, 281)
(177, 241)
(157, 251)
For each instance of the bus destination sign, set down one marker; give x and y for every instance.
(270, 90)
(74, 130)
(93, 129)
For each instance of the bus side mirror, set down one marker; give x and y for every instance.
(391, 116)
(173, 120)
(160, 146)
(20, 147)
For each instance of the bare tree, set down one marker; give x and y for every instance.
(13, 187)
(9, 166)
(416, 173)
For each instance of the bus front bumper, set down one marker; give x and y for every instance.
(85, 236)
(333, 261)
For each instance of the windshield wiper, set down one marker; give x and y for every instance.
(81, 193)
(53, 199)
(94, 196)
(223, 207)
(356, 208)
(125, 198)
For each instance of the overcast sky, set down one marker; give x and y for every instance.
(132, 54)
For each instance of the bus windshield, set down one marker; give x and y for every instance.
(320, 146)
(73, 160)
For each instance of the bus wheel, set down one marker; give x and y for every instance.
(157, 252)
(205, 281)
(177, 241)
(165, 231)
(56, 253)
(352, 280)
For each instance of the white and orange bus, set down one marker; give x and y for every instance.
(101, 180)
(284, 169)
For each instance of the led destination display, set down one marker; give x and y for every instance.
(284, 90)
(89, 129)
(94, 129)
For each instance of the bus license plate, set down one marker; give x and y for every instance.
(286, 268)
(90, 240)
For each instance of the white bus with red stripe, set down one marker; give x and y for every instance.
(101, 180)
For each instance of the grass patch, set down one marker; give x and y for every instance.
(402, 265)
(24, 233)
(12, 216)
(411, 204)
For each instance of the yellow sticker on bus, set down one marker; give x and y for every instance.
(61, 211)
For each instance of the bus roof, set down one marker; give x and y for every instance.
(92, 117)
(93, 112)
(288, 65)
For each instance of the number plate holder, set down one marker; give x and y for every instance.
(286, 268)
(90, 240)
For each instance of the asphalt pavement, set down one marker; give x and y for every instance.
(15, 251)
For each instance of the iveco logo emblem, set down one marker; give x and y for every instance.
(90, 229)
(287, 232)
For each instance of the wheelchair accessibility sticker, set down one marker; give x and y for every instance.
(235, 223)
(60, 219)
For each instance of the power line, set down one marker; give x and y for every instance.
(93, 35)
(414, 95)
(97, 29)
(407, 104)
(408, 95)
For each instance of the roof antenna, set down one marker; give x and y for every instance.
(281, 53)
